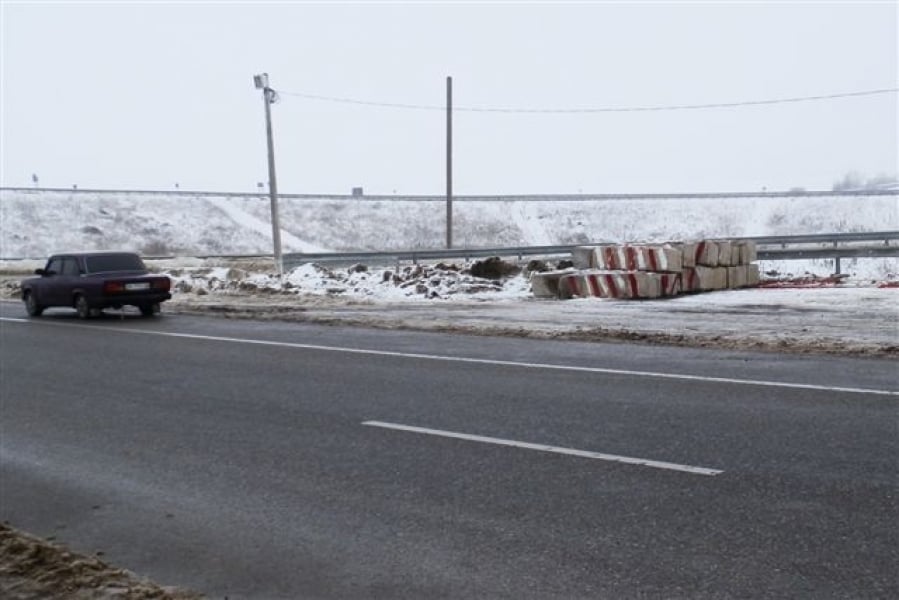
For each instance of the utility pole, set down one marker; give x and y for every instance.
(269, 96)
(449, 163)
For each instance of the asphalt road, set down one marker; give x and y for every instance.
(270, 460)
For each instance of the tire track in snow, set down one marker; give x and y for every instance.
(290, 242)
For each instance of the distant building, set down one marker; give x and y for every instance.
(357, 192)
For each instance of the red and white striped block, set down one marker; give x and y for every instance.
(572, 285)
(704, 279)
(615, 258)
(623, 285)
(660, 259)
(670, 283)
(619, 284)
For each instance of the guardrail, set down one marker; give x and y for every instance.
(770, 248)
(834, 238)
(786, 247)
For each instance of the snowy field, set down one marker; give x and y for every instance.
(35, 223)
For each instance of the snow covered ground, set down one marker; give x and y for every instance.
(852, 318)
(855, 320)
(856, 317)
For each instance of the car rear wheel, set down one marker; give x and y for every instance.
(82, 307)
(31, 306)
(149, 310)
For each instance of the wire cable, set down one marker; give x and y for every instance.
(590, 110)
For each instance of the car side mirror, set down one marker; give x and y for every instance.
(39, 272)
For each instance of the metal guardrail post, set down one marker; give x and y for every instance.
(837, 260)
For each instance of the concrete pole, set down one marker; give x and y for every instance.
(269, 97)
(449, 162)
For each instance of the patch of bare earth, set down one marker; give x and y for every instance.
(36, 569)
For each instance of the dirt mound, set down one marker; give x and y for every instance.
(493, 268)
(32, 568)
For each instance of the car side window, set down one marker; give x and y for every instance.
(70, 267)
(55, 265)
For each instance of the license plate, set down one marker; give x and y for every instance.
(137, 286)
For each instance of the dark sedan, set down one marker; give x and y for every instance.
(90, 282)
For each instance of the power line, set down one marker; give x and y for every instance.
(589, 110)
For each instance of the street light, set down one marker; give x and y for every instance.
(269, 96)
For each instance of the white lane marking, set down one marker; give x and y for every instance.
(656, 464)
(484, 361)
(11, 320)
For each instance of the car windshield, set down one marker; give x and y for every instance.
(105, 263)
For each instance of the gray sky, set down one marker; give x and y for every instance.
(146, 95)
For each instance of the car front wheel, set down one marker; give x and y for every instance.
(82, 307)
(31, 306)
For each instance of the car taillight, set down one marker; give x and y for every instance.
(113, 287)
(162, 284)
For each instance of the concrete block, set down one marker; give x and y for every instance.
(748, 252)
(546, 284)
(670, 283)
(704, 279)
(582, 257)
(719, 279)
(604, 257)
(725, 254)
(659, 259)
(612, 284)
(571, 285)
(604, 284)
(688, 254)
(624, 285)
(706, 254)
(631, 284)
(736, 277)
(615, 258)
(752, 275)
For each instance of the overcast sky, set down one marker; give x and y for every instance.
(147, 95)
